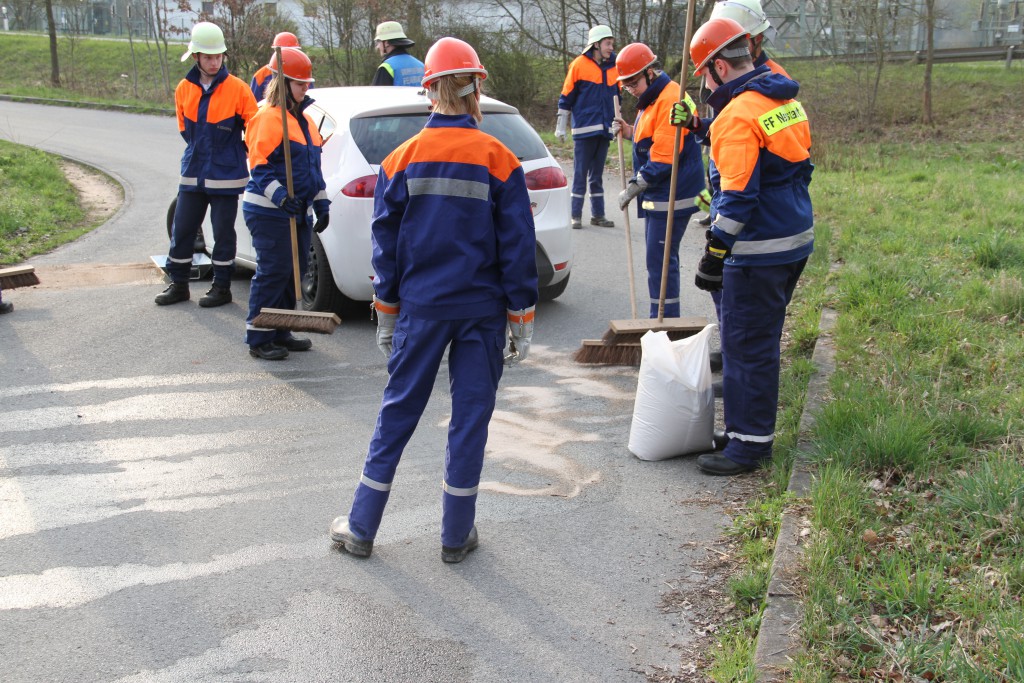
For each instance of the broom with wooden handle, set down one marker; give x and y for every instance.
(280, 318)
(18, 276)
(625, 217)
(620, 345)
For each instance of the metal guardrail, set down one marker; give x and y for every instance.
(945, 55)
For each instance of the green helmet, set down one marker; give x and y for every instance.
(596, 35)
(207, 39)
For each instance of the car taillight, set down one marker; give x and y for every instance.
(361, 187)
(547, 178)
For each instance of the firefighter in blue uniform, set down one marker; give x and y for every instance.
(761, 234)
(588, 94)
(213, 109)
(267, 206)
(454, 258)
(262, 77)
(653, 142)
(399, 67)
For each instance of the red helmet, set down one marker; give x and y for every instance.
(296, 64)
(710, 39)
(633, 59)
(451, 56)
(285, 39)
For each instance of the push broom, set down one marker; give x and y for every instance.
(280, 318)
(18, 276)
(620, 345)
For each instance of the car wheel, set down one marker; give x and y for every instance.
(553, 291)
(200, 244)
(319, 293)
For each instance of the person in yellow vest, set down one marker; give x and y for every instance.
(399, 67)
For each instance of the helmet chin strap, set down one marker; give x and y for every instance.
(468, 89)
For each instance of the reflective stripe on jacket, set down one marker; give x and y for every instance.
(653, 140)
(761, 167)
(588, 92)
(452, 232)
(267, 187)
(212, 122)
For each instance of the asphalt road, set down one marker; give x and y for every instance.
(164, 498)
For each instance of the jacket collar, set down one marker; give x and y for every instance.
(653, 90)
(450, 121)
(193, 76)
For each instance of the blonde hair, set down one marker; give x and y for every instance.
(445, 93)
(277, 89)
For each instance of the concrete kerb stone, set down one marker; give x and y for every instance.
(778, 639)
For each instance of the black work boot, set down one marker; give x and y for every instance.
(268, 352)
(177, 291)
(6, 307)
(577, 223)
(715, 358)
(458, 554)
(721, 466)
(352, 544)
(217, 296)
(601, 222)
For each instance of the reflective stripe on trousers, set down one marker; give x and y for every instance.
(188, 217)
(273, 285)
(753, 310)
(589, 155)
(655, 226)
(475, 353)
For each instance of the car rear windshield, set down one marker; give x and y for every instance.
(378, 136)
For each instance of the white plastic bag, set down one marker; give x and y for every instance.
(674, 411)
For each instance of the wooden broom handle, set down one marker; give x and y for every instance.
(625, 216)
(287, 149)
(691, 7)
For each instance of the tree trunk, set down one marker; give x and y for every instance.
(54, 60)
(926, 110)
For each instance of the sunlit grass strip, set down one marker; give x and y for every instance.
(39, 209)
(917, 569)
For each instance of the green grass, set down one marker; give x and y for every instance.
(39, 209)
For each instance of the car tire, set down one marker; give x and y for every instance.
(200, 244)
(554, 291)
(319, 293)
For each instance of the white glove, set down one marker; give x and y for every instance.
(616, 127)
(520, 333)
(561, 123)
(387, 315)
(636, 186)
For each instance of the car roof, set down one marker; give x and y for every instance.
(364, 101)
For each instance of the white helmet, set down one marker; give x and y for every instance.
(596, 35)
(746, 13)
(207, 39)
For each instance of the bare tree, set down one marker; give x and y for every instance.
(51, 27)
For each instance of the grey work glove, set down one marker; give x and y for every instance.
(520, 333)
(561, 124)
(636, 186)
(387, 316)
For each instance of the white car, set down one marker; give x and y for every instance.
(362, 125)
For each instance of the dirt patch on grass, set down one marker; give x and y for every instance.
(98, 194)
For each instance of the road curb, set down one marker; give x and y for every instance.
(778, 639)
(128, 108)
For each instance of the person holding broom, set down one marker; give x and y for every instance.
(454, 257)
(268, 209)
(761, 235)
(213, 109)
(653, 140)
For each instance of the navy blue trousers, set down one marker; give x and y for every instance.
(588, 159)
(475, 353)
(273, 285)
(753, 311)
(655, 227)
(188, 216)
